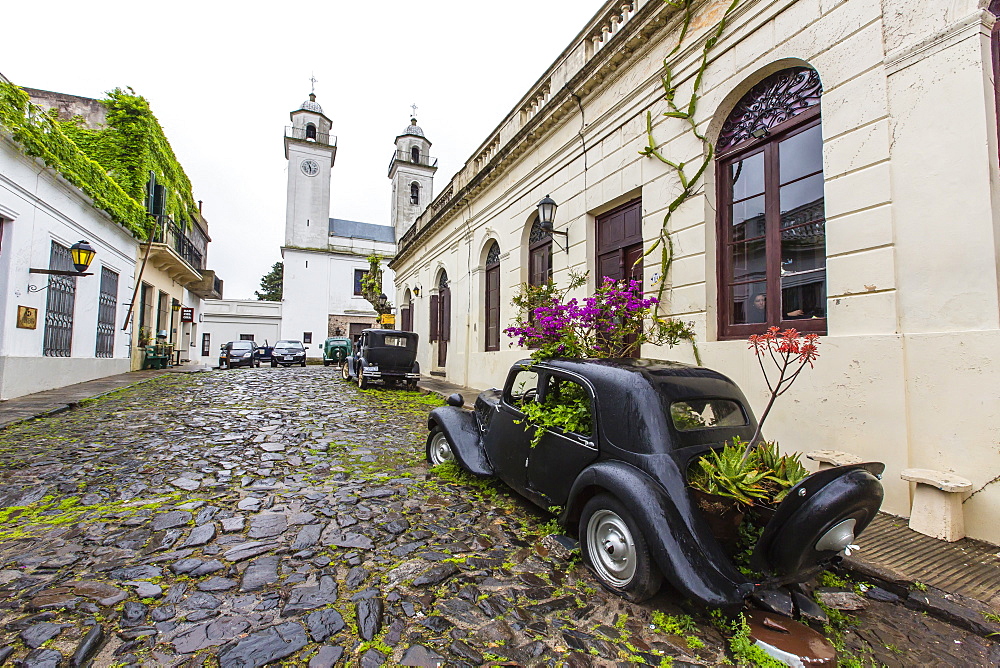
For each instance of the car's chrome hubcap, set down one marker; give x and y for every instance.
(612, 551)
(441, 449)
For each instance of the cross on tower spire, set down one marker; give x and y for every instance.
(414, 108)
(313, 80)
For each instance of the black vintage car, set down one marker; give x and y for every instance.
(621, 479)
(388, 355)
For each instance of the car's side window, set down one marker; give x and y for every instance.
(567, 403)
(523, 388)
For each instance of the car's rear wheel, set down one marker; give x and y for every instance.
(438, 448)
(363, 382)
(615, 549)
(345, 371)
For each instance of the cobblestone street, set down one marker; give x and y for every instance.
(242, 517)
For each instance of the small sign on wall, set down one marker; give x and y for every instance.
(27, 317)
(187, 314)
(388, 319)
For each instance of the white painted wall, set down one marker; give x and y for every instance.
(226, 320)
(38, 207)
(907, 373)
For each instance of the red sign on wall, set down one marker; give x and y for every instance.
(187, 314)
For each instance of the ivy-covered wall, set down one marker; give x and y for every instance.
(110, 164)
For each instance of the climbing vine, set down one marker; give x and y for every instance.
(371, 286)
(690, 181)
(110, 164)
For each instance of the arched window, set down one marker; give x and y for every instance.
(539, 254)
(415, 154)
(310, 131)
(492, 297)
(414, 193)
(772, 228)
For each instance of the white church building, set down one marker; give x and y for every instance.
(325, 258)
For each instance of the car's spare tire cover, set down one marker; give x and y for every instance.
(794, 540)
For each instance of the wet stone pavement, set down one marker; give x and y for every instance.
(244, 517)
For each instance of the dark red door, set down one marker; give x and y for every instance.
(619, 244)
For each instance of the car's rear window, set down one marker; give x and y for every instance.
(399, 341)
(706, 413)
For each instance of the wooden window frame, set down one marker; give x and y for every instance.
(491, 300)
(772, 233)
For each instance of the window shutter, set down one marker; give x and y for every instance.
(159, 199)
(445, 332)
(435, 316)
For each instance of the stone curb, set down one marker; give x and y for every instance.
(962, 611)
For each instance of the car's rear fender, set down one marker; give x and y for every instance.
(462, 431)
(691, 560)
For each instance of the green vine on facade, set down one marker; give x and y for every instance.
(371, 286)
(40, 136)
(111, 164)
(690, 181)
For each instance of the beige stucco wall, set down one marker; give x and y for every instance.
(906, 373)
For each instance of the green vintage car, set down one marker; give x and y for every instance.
(335, 350)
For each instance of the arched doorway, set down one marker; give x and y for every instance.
(441, 319)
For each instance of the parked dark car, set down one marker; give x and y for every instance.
(237, 353)
(623, 484)
(388, 355)
(287, 353)
(336, 349)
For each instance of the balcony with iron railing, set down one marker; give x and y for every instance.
(303, 134)
(172, 251)
(407, 156)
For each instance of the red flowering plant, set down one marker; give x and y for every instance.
(613, 322)
(790, 352)
(755, 472)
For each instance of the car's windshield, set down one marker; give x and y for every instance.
(242, 345)
(288, 344)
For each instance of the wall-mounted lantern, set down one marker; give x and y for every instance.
(547, 216)
(82, 254)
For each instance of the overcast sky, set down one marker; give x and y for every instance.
(223, 76)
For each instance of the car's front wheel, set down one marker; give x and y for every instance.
(274, 365)
(326, 362)
(363, 382)
(256, 363)
(615, 549)
(438, 448)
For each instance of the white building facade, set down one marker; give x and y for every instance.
(58, 330)
(850, 190)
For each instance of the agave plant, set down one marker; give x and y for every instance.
(725, 473)
(766, 476)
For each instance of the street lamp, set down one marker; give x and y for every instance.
(547, 216)
(82, 254)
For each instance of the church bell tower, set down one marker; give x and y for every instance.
(412, 173)
(310, 150)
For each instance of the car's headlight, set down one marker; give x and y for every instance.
(248, 355)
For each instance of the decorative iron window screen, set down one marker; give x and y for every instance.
(106, 306)
(58, 338)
